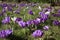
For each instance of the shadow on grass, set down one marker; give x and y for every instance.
(14, 37)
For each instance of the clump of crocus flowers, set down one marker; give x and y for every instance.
(5, 33)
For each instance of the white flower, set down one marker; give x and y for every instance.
(13, 19)
(39, 8)
(48, 12)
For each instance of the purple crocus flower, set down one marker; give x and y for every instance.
(43, 16)
(56, 22)
(56, 15)
(18, 19)
(37, 33)
(40, 13)
(30, 12)
(29, 22)
(46, 27)
(4, 5)
(37, 21)
(22, 24)
(5, 33)
(8, 31)
(6, 20)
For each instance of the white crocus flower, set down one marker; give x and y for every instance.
(13, 19)
(48, 12)
(39, 8)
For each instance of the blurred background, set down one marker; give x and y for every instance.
(53, 2)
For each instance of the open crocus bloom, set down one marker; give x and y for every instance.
(56, 15)
(21, 24)
(6, 20)
(37, 33)
(43, 16)
(31, 12)
(56, 22)
(37, 21)
(5, 33)
(29, 22)
(46, 27)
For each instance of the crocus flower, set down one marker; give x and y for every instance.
(46, 27)
(8, 31)
(18, 19)
(40, 13)
(22, 24)
(5, 33)
(48, 12)
(43, 16)
(6, 20)
(30, 12)
(56, 22)
(56, 15)
(4, 5)
(39, 8)
(14, 19)
(37, 21)
(37, 33)
(29, 22)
